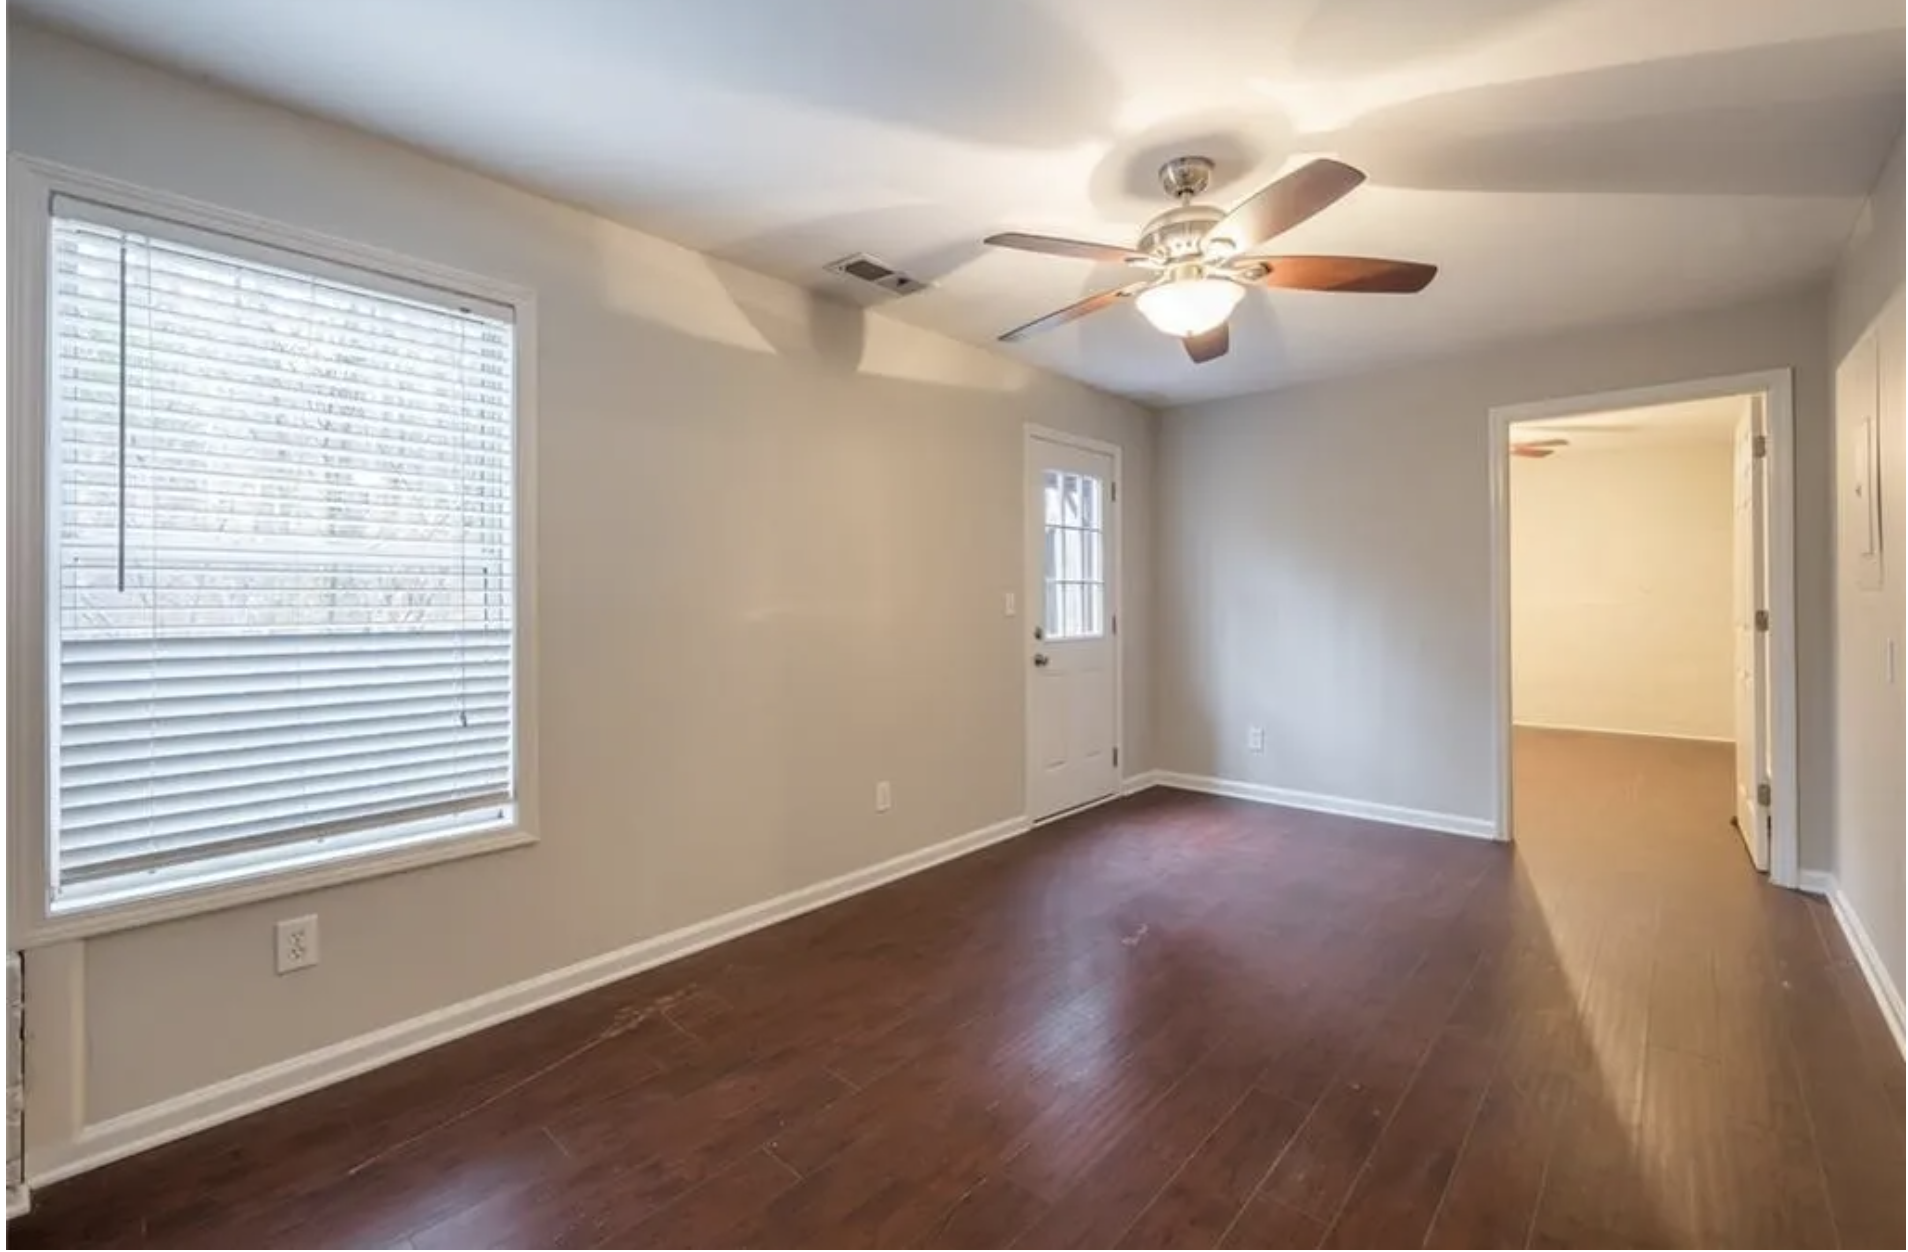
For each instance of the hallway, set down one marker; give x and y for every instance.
(1172, 1021)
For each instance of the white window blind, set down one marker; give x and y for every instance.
(282, 543)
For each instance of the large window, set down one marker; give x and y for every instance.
(280, 550)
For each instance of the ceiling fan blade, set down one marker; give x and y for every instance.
(1209, 346)
(1053, 246)
(1073, 312)
(1284, 203)
(1521, 450)
(1345, 273)
(1541, 443)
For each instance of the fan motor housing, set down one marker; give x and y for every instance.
(1179, 232)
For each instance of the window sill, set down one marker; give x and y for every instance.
(105, 918)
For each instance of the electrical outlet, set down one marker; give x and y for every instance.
(1255, 739)
(297, 943)
(884, 797)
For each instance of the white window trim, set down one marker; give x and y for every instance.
(30, 921)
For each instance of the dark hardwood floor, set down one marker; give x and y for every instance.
(1172, 1021)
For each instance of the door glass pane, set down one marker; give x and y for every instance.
(1073, 555)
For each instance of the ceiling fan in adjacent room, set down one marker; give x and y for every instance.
(1201, 261)
(1552, 440)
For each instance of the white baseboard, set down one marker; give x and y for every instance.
(1816, 882)
(1422, 819)
(19, 1201)
(1867, 955)
(1139, 782)
(193, 1111)
(1520, 724)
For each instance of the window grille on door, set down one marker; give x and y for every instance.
(1074, 557)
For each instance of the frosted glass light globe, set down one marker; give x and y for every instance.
(1191, 306)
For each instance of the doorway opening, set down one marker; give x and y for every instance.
(1643, 570)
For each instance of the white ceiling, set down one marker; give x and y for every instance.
(1688, 422)
(1565, 162)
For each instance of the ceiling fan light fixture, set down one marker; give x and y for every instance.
(1202, 257)
(1189, 306)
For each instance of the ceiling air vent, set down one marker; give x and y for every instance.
(864, 268)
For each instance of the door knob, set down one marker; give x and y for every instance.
(1041, 659)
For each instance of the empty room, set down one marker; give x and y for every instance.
(1639, 660)
(1001, 623)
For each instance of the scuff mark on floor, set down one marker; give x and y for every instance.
(841, 1078)
(667, 1007)
(1133, 940)
(623, 1021)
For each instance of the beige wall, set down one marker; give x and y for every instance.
(1868, 863)
(1621, 572)
(775, 537)
(1325, 560)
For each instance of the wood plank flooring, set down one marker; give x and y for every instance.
(1175, 1021)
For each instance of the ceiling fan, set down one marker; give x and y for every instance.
(1200, 259)
(1551, 442)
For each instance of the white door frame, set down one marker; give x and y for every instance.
(1777, 390)
(1030, 608)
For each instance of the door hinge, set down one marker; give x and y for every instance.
(1762, 619)
(1113, 492)
(1116, 623)
(1759, 446)
(1764, 796)
(1116, 757)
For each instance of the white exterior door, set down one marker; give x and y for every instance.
(1751, 657)
(1073, 675)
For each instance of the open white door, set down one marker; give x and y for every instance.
(1751, 655)
(1072, 567)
